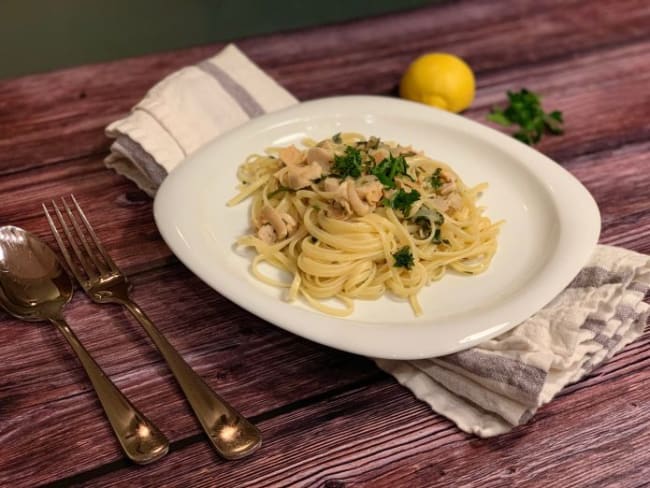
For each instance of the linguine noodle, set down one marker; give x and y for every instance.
(352, 218)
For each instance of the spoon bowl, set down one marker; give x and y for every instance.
(35, 287)
(33, 283)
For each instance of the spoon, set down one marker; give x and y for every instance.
(34, 287)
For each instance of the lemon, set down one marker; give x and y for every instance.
(441, 80)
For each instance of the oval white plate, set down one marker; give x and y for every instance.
(552, 225)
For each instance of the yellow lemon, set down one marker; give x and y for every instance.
(441, 80)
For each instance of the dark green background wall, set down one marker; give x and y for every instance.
(40, 35)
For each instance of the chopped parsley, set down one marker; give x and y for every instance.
(525, 110)
(402, 200)
(388, 169)
(403, 258)
(436, 179)
(348, 164)
(337, 138)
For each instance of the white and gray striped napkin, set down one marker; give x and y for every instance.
(486, 390)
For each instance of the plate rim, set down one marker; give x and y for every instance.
(553, 172)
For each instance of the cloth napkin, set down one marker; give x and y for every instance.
(486, 390)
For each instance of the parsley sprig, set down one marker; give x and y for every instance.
(403, 258)
(402, 200)
(525, 110)
(348, 164)
(436, 179)
(389, 168)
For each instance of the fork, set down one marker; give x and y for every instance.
(231, 434)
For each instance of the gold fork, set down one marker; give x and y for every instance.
(231, 434)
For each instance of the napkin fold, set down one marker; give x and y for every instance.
(187, 109)
(486, 390)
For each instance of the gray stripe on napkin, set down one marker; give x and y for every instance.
(608, 343)
(524, 377)
(594, 325)
(142, 159)
(597, 276)
(234, 89)
(625, 312)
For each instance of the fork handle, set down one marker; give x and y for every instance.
(232, 435)
(140, 439)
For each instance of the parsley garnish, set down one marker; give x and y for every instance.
(388, 169)
(436, 179)
(402, 200)
(349, 164)
(337, 138)
(526, 111)
(403, 258)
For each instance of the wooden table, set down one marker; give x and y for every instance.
(328, 418)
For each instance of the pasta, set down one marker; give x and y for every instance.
(351, 218)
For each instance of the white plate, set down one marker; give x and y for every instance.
(552, 225)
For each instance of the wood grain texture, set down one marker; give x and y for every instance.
(569, 443)
(255, 366)
(47, 118)
(328, 418)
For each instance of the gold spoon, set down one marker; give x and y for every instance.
(34, 287)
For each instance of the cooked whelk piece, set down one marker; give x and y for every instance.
(357, 205)
(341, 207)
(282, 225)
(267, 234)
(291, 155)
(299, 172)
(321, 156)
(361, 196)
(297, 177)
(380, 154)
(370, 189)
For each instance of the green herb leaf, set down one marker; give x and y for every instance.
(499, 117)
(347, 165)
(525, 110)
(389, 168)
(402, 200)
(337, 138)
(436, 179)
(403, 258)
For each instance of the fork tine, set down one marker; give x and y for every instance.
(107, 258)
(72, 266)
(84, 242)
(84, 263)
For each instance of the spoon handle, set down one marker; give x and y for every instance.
(232, 435)
(139, 437)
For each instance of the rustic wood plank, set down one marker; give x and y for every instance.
(329, 418)
(380, 436)
(366, 56)
(46, 399)
(132, 238)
